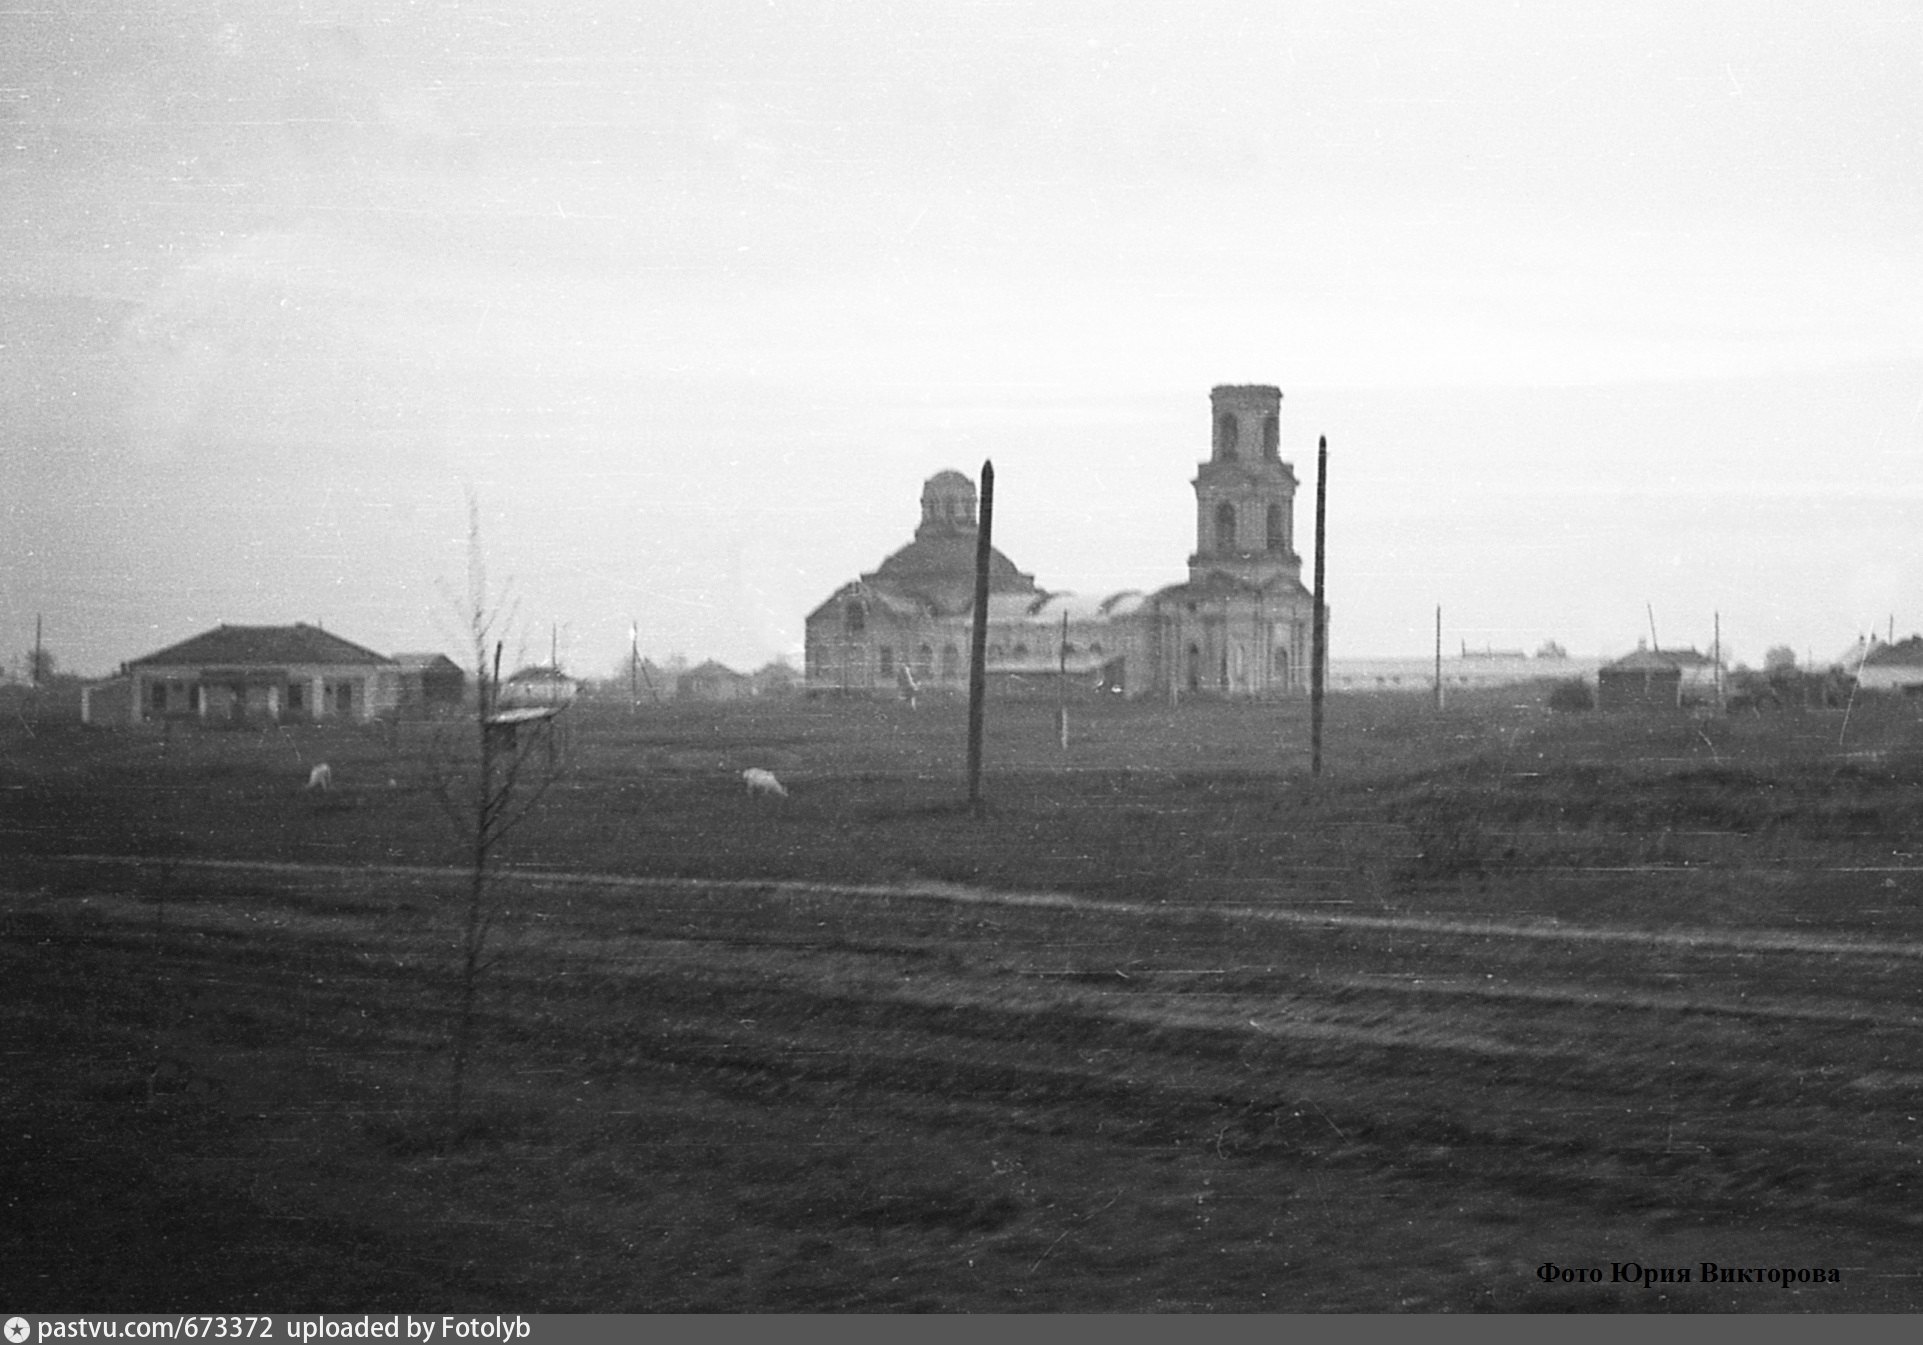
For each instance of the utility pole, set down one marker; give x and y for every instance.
(36, 649)
(1319, 650)
(634, 666)
(1438, 656)
(1716, 655)
(978, 643)
(1061, 684)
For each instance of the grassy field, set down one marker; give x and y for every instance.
(1167, 1026)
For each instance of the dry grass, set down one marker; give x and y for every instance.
(1504, 987)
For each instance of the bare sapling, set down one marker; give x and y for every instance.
(487, 786)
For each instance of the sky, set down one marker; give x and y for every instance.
(1612, 315)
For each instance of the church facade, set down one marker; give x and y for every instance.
(1238, 626)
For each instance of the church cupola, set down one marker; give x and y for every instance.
(947, 504)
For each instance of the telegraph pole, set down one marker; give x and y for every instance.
(978, 643)
(1061, 684)
(1319, 650)
(1438, 656)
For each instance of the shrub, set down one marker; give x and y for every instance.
(1573, 694)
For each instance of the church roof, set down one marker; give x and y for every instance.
(1221, 584)
(939, 567)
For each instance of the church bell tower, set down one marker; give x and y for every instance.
(1245, 493)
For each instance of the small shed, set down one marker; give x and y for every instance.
(1646, 678)
(429, 684)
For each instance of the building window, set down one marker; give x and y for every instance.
(157, 697)
(855, 618)
(296, 698)
(950, 663)
(1277, 541)
(1271, 435)
(887, 656)
(1225, 526)
(1227, 433)
(924, 661)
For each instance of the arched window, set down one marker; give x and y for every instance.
(887, 661)
(1227, 435)
(1271, 435)
(1225, 526)
(1195, 667)
(1277, 541)
(950, 663)
(924, 661)
(856, 617)
(1280, 666)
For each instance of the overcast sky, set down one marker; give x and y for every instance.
(1600, 307)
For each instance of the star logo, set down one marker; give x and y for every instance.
(18, 1330)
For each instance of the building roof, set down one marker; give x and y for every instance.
(1903, 654)
(714, 670)
(422, 662)
(939, 567)
(241, 646)
(1659, 660)
(539, 672)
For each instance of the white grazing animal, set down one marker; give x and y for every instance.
(762, 782)
(321, 777)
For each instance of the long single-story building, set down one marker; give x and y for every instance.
(236, 674)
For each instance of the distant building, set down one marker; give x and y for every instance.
(776, 679)
(1238, 626)
(712, 681)
(236, 674)
(429, 684)
(1468, 671)
(1655, 677)
(536, 686)
(1891, 667)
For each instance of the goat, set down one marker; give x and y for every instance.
(763, 782)
(321, 777)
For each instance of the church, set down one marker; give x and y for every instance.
(1239, 626)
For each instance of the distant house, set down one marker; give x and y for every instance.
(429, 683)
(1471, 670)
(539, 685)
(714, 682)
(1652, 678)
(1891, 667)
(776, 679)
(236, 674)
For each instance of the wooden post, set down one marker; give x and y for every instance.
(978, 643)
(1318, 652)
(1716, 666)
(1061, 684)
(1438, 656)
